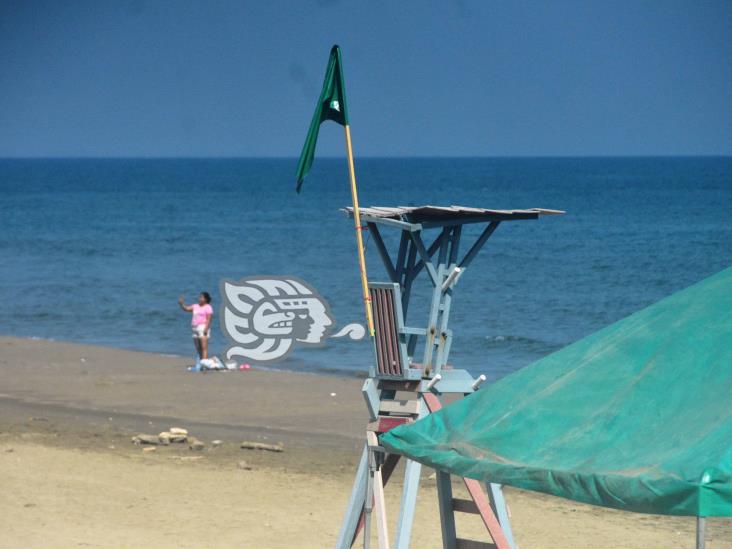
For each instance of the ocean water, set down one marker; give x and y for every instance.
(97, 251)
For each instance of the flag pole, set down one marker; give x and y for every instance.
(359, 232)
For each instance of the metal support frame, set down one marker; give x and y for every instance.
(356, 503)
(701, 529)
(375, 470)
(500, 508)
(439, 259)
(447, 516)
(408, 503)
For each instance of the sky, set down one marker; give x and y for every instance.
(179, 78)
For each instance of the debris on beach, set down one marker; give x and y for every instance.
(212, 364)
(146, 439)
(244, 466)
(216, 443)
(174, 435)
(149, 449)
(246, 445)
(171, 436)
(195, 444)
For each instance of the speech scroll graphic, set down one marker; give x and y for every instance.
(266, 317)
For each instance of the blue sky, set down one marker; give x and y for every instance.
(179, 78)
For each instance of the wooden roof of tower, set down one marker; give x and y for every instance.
(446, 215)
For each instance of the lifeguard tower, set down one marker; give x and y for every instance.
(410, 374)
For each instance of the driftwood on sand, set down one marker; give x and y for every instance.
(262, 446)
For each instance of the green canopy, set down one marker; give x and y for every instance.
(637, 416)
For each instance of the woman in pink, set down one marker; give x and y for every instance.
(200, 322)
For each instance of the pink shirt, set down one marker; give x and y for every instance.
(201, 314)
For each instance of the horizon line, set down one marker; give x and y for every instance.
(365, 157)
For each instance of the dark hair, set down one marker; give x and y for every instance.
(206, 296)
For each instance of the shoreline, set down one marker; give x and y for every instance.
(324, 371)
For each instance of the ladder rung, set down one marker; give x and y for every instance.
(464, 506)
(470, 544)
(400, 406)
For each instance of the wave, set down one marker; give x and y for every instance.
(341, 372)
(521, 342)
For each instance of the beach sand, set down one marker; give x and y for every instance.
(71, 476)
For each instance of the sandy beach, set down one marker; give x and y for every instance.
(73, 478)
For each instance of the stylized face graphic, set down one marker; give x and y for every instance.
(310, 319)
(302, 319)
(266, 316)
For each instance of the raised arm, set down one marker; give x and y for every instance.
(182, 303)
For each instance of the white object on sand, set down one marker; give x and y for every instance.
(212, 364)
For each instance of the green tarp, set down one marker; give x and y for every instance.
(637, 416)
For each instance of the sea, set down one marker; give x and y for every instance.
(98, 250)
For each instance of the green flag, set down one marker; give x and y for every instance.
(331, 106)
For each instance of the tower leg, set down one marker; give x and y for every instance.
(375, 493)
(355, 504)
(408, 504)
(700, 532)
(498, 502)
(380, 508)
(368, 509)
(447, 516)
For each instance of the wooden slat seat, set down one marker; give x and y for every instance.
(389, 339)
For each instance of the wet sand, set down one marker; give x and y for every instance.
(72, 478)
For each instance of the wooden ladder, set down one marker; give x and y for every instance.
(478, 504)
(389, 413)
